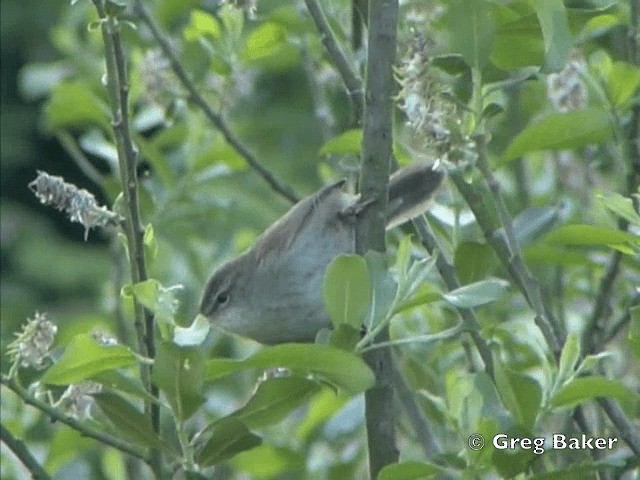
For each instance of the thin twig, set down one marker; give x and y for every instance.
(528, 285)
(601, 309)
(118, 87)
(73, 150)
(84, 430)
(625, 427)
(21, 451)
(429, 443)
(494, 233)
(215, 118)
(351, 79)
(448, 274)
(621, 321)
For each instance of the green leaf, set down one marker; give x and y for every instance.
(85, 357)
(160, 300)
(532, 222)
(322, 407)
(569, 357)
(73, 104)
(623, 82)
(202, 24)
(425, 294)
(562, 131)
(348, 142)
(232, 19)
(342, 369)
(519, 33)
(582, 470)
(150, 242)
(128, 420)
(115, 380)
(346, 290)
(586, 388)
(268, 462)
(275, 399)
(621, 206)
(179, 373)
(64, 446)
(476, 294)
(229, 437)
(471, 31)
(473, 261)
(593, 236)
(546, 254)
(590, 362)
(521, 394)
(344, 337)
(410, 471)
(264, 41)
(509, 463)
(552, 16)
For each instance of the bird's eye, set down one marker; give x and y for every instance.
(222, 298)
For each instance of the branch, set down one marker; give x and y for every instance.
(21, 451)
(528, 285)
(626, 429)
(621, 321)
(513, 263)
(71, 147)
(351, 79)
(213, 116)
(376, 156)
(118, 87)
(429, 443)
(448, 274)
(85, 430)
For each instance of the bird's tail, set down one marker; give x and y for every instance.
(410, 190)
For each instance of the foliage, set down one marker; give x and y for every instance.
(513, 311)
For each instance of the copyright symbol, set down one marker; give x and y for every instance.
(476, 441)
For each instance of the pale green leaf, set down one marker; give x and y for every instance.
(347, 290)
(344, 370)
(85, 357)
(562, 131)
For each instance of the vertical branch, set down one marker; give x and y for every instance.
(118, 88)
(376, 155)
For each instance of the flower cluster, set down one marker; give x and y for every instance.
(566, 89)
(31, 347)
(249, 6)
(161, 85)
(431, 113)
(76, 401)
(80, 205)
